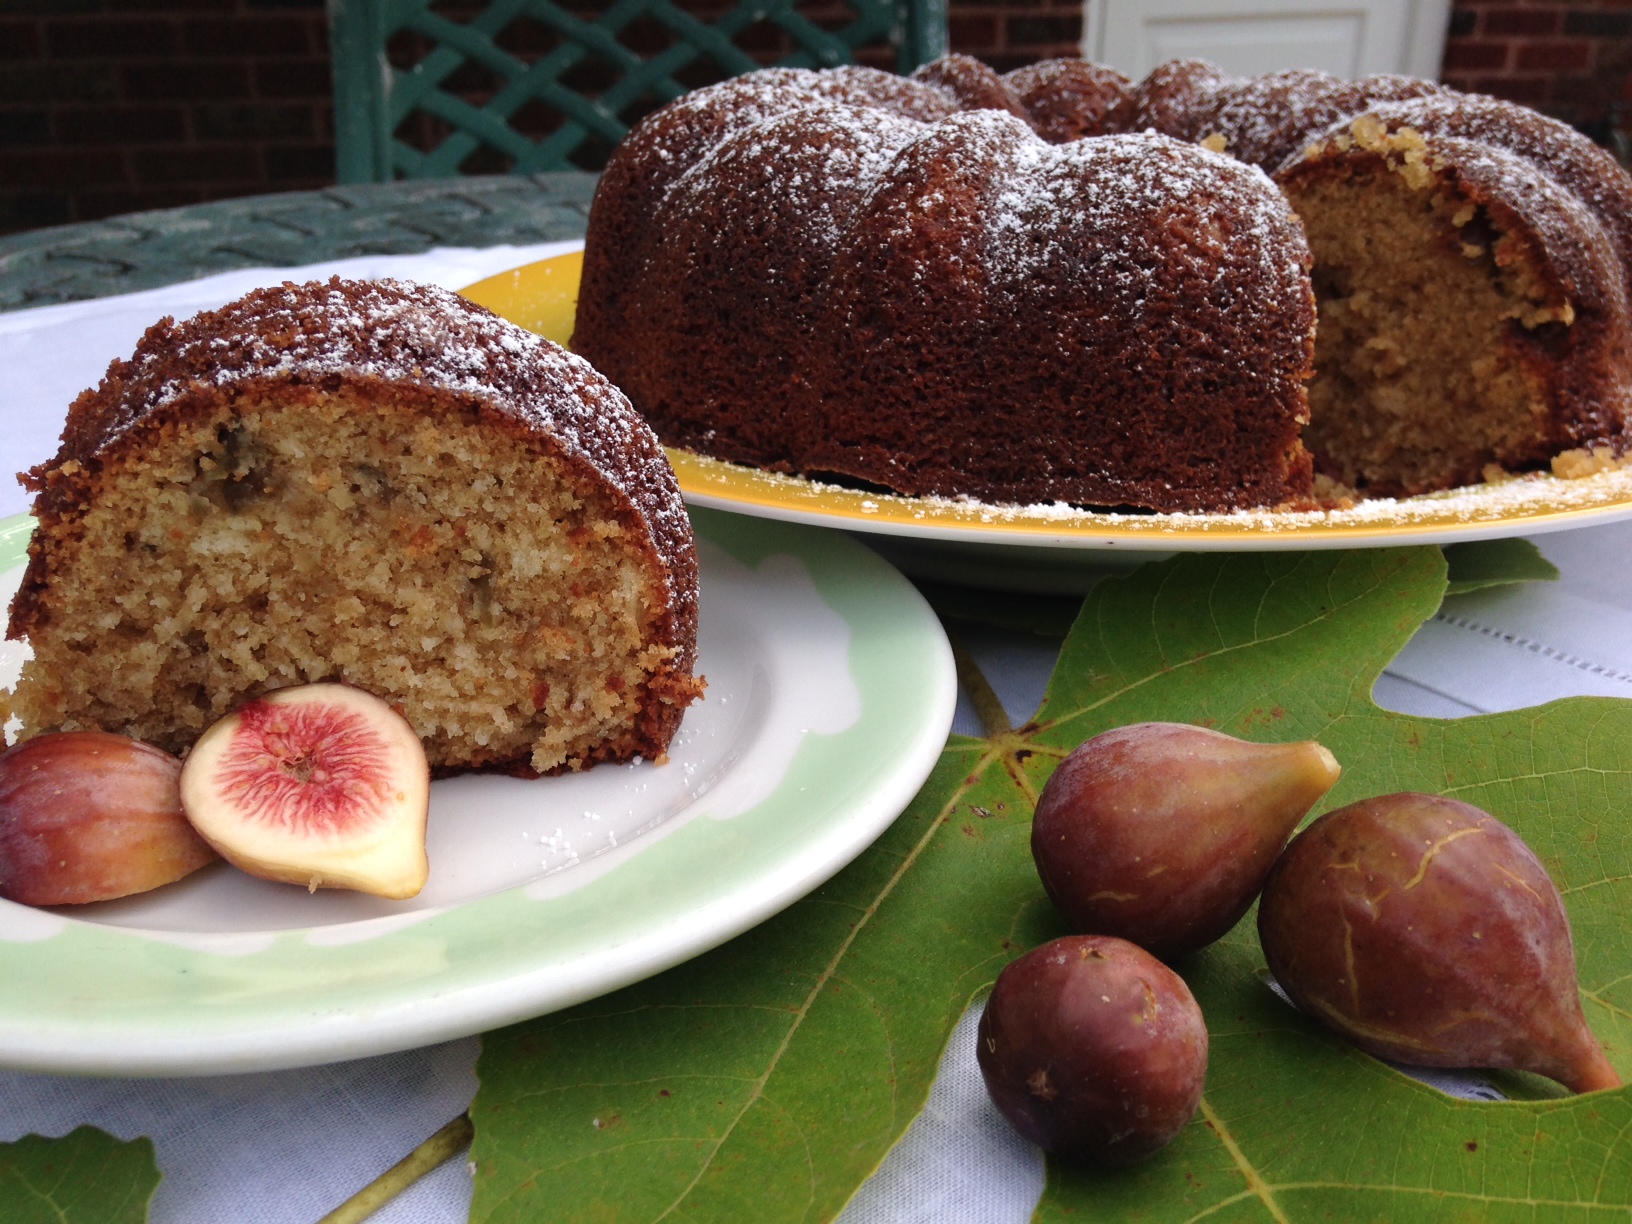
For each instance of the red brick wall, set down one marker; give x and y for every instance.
(1572, 59)
(109, 106)
(1011, 35)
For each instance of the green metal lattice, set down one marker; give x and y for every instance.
(373, 98)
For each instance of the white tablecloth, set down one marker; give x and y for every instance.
(289, 1146)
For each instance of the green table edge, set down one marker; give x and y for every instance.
(148, 250)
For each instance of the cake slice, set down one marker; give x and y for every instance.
(379, 484)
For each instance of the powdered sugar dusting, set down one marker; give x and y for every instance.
(720, 111)
(809, 168)
(1094, 194)
(1265, 119)
(420, 338)
(1529, 503)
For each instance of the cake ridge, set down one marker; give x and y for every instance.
(1081, 167)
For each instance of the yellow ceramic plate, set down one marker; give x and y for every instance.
(543, 296)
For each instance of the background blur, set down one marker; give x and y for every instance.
(111, 106)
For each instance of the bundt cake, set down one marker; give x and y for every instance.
(1061, 285)
(376, 483)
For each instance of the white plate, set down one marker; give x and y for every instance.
(830, 694)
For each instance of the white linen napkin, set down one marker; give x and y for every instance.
(287, 1146)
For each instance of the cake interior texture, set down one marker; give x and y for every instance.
(1420, 298)
(458, 572)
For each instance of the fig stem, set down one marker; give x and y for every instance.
(1595, 1075)
(993, 717)
(447, 1143)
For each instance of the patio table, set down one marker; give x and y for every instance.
(291, 1145)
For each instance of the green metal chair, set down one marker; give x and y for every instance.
(459, 124)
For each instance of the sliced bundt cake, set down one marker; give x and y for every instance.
(1037, 287)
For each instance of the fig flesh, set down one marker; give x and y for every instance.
(1162, 834)
(90, 816)
(322, 785)
(1426, 932)
(1093, 1049)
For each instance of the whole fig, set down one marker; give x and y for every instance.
(90, 816)
(1093, 1049)
(1162, 833)
(1425, 931)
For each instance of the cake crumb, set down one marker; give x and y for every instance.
(1333, 494)
(1584, 461)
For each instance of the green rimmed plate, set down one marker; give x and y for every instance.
(831, 690)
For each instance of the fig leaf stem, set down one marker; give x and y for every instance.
(993, 717)
(447, 1143)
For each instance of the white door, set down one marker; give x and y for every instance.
(1246, 37)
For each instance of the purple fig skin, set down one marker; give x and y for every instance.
(1162, 833)
(90, 816)
(1426, 932)
(1093, 1049)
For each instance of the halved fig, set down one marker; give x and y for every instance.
(90, 816)
(322, 785)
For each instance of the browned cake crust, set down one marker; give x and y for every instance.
(1551, 149)
(229, 420)
(1265, 119)
(628, 215)
(971, 85)
(1019, 288)
(1064, 358)
(1069, 99)
(837, 285)
(1177, 98)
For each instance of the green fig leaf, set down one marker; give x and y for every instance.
(85, 1177)
(767, 1079)
(1487, 563)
